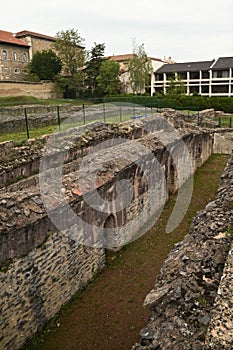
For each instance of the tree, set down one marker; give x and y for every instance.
(108, 78)
(176, 87)
(45, 65)
(69, 48)
(95, 59)
(139, 69)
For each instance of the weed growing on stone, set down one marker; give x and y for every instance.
(230, 233)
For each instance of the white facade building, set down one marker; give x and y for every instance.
(207, 78)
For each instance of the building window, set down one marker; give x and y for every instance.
(171, 76)
(159, 76)
(4, 55)
(182, 76)
(194, 75)
(24, 57)
(193, 89)
(15, 56)
(159, 90)
(220, 74)
(205, 75)
(205, 89)
(220, 89)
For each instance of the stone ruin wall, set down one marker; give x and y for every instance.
(42, 268)
(39, 90)
(12, 119)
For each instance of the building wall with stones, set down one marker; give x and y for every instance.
(37, 43)
(13, 61)
(41, 267)
(38, 90)
(18, 49)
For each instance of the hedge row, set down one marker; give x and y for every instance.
(224, 104)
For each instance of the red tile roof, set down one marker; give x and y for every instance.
(9, 38)
(24, 33)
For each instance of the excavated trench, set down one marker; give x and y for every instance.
(108, 313)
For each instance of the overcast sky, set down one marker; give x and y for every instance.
(183, 29)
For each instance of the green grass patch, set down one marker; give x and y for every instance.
(29, 100)
(20, 137)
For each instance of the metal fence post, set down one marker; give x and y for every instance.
(26, 122)
(198, 118)
(84, 116)
(58, 118)
(104, 111)
(120, 114)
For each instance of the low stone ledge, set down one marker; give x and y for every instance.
(6, 149)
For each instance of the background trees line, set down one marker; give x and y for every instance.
(78, 72)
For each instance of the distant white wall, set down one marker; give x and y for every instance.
(156, 65)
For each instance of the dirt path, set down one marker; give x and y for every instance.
(108, 315)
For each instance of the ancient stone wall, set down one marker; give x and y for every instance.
(39, 90)
(41, 267)
(223, 142)
(34, 287)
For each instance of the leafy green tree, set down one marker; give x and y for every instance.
(176, 87)
(45, 65)
(139, 69)
(69, 47)
(95, 59)
(108, 78)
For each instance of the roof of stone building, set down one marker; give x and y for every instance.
(9, 38)
(25, 33)
(223, 62)
(185, 67)
(122, 58)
